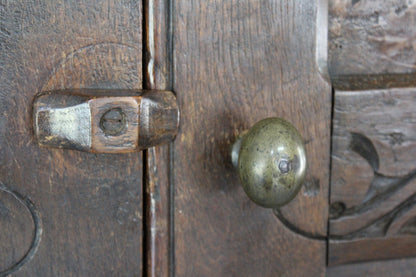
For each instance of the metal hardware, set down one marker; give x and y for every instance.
(271, 162)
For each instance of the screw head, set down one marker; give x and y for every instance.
(113, 122)
(284, 166)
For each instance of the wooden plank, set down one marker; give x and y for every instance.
(89, 205)
(370, 249)
(402, 268)
(236, 62)
(158, 212)
(373, 175)
(21, 230)
(157, 75)
(372, 44)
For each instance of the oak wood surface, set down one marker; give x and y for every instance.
(370, 249)
(372, 44)
(236, 62)
(402, 268)
(88, 205)
(373, 176)
(159, 249)
(16, 219)
(158, 219)
(374, 158)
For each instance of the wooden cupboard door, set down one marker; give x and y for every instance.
(231, 63)
(235, 63)
(67, 213)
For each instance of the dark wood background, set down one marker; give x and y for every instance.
(179, 210)
(371, 63)
(88, 205)
(236, 62)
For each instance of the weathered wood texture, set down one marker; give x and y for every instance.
(236, 62)
(16, 218)
(158, 212)
(373, 180)
(402, 268)
(372, 43)
(159, 118)
(89, 205)
(370, 249)
(158, 200)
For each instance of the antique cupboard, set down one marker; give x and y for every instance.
(341, 72)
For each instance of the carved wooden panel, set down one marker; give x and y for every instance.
(373, 182)
(372, 43)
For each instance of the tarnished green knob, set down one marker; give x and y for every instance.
(271, 162)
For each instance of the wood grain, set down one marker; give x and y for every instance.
(89, 205)
(159, 118)
(373, 175)
(370, 249)
(402, 268)
(158, 192)
(158, 212)
(236, 62)
(20, 230)
(372, 44)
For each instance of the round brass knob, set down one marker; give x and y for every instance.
(271, 162)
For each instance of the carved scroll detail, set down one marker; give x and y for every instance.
(36, 234)
(381, 189)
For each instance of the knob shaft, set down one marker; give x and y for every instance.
(271, 162)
